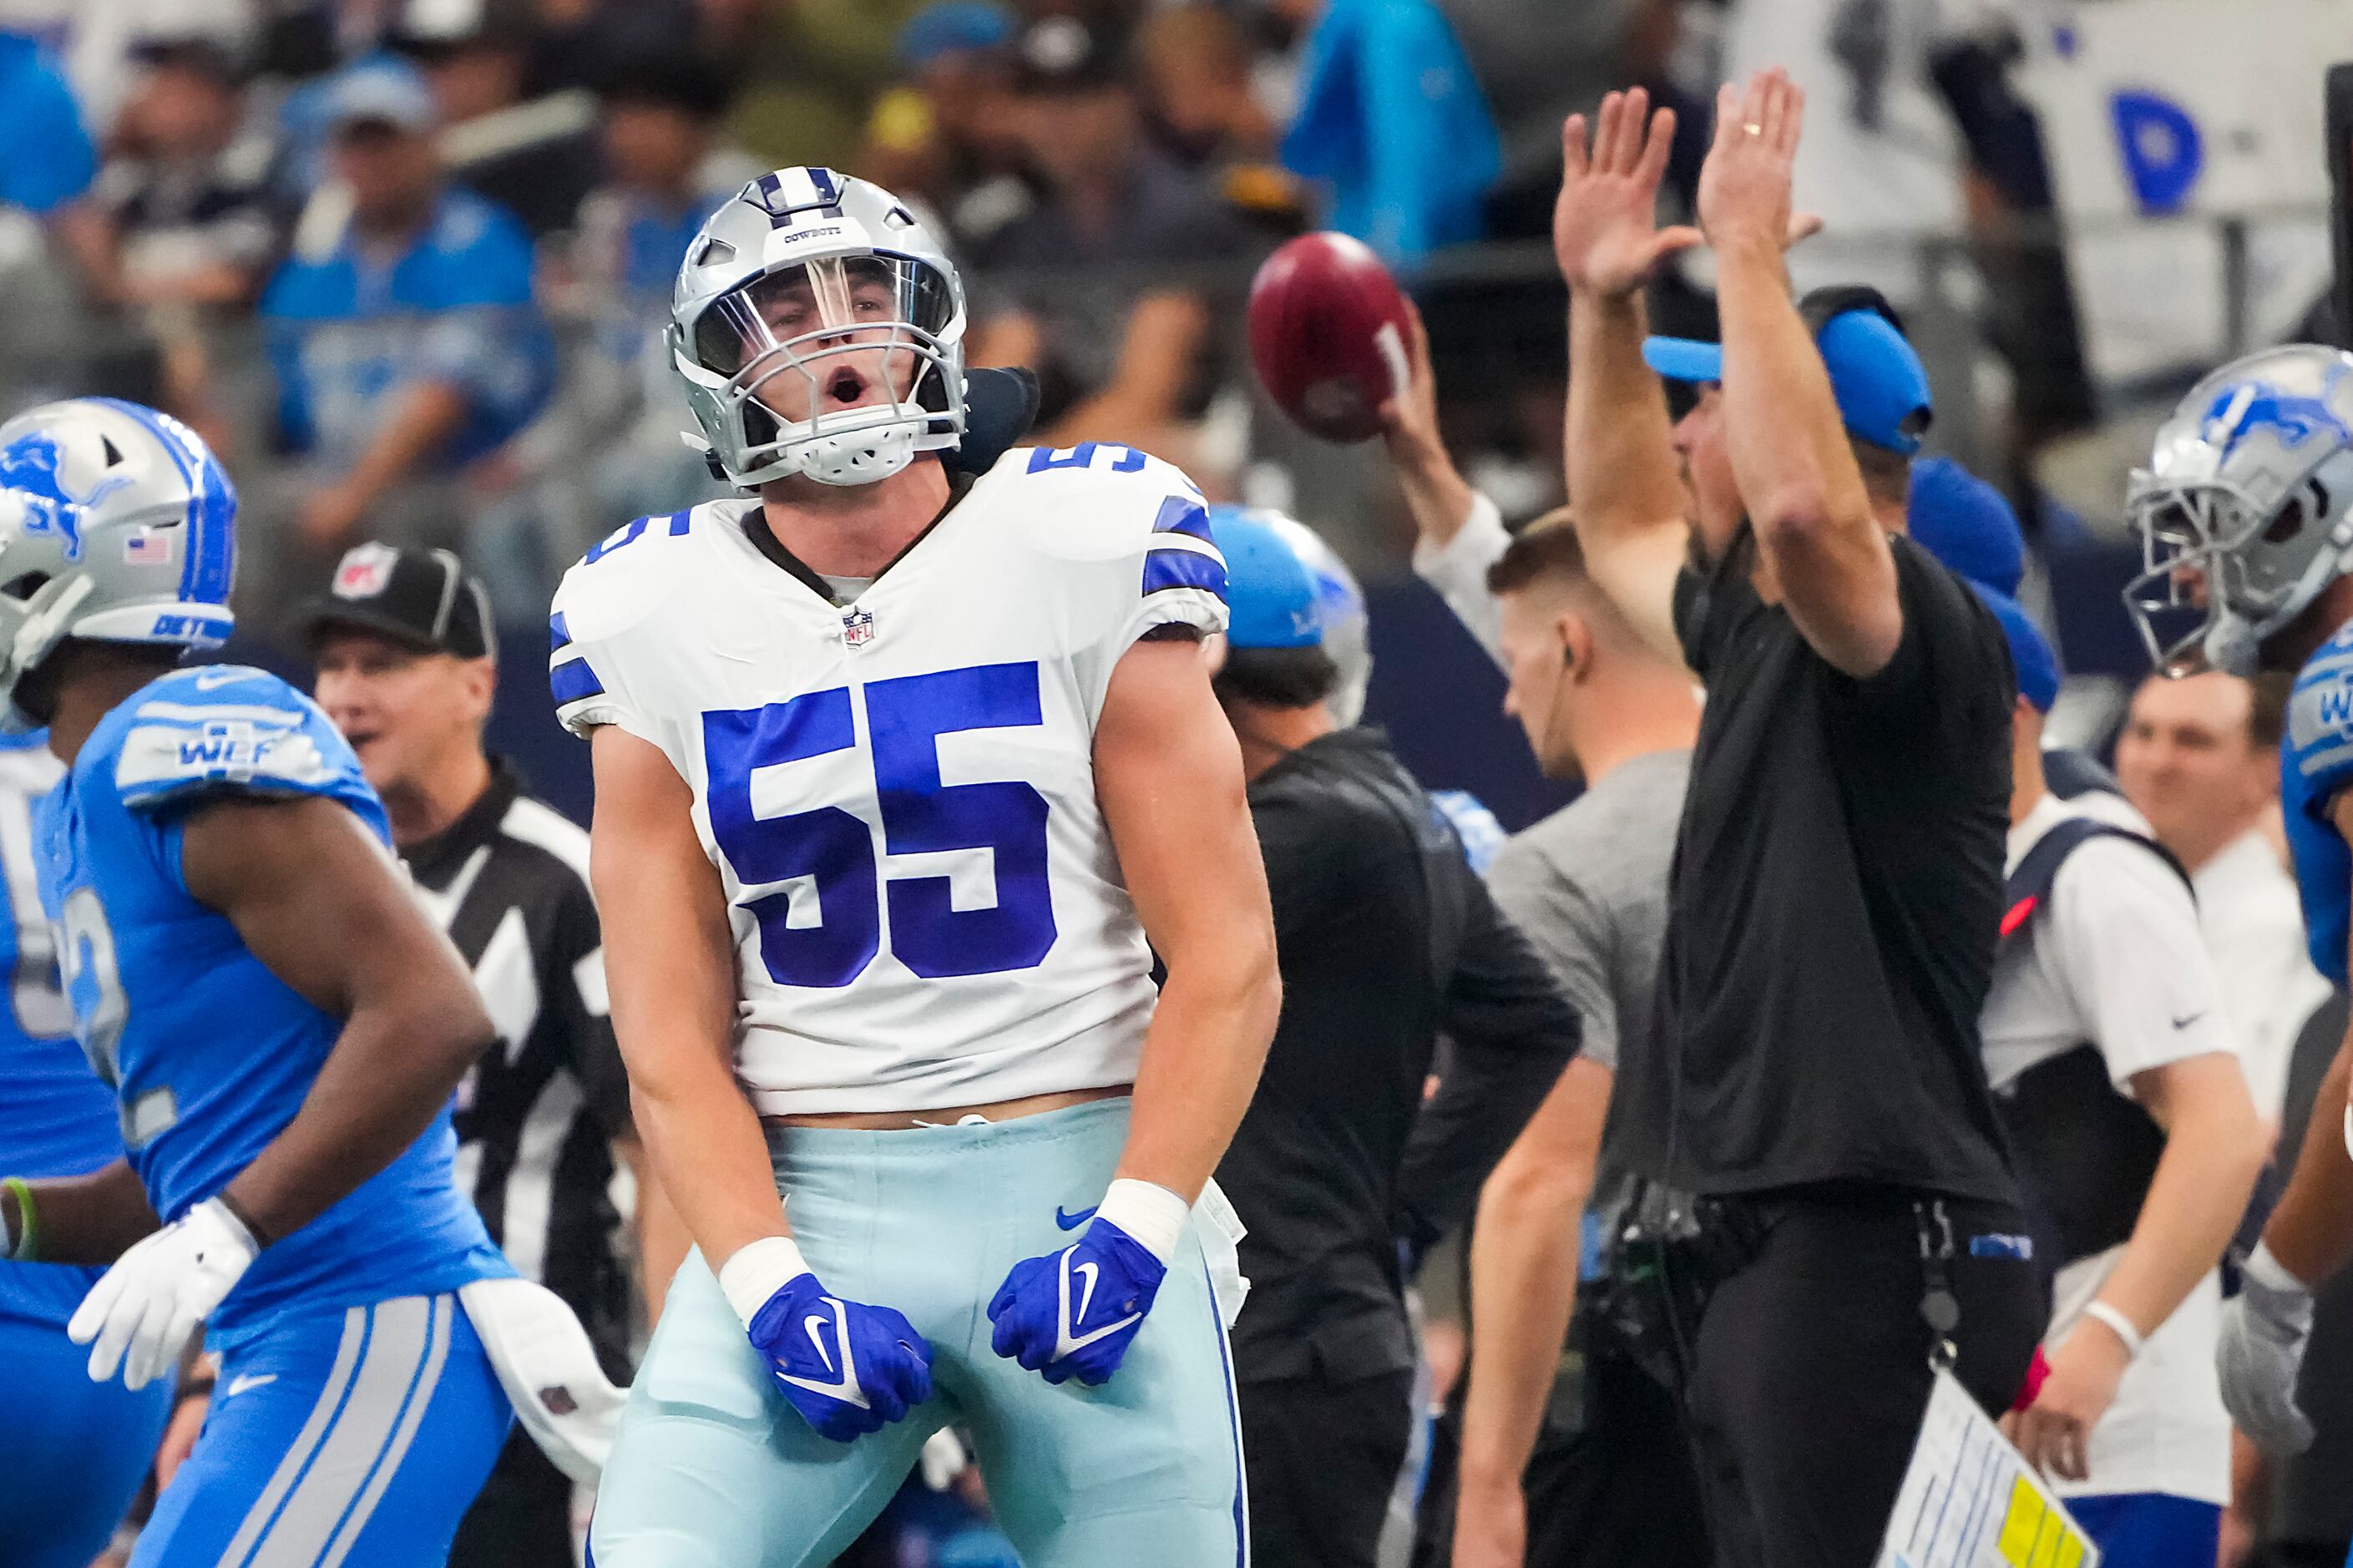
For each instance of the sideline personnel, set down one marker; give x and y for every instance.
(1837, 873)
(2114, 1061)
(1385, 936)
(406, 667)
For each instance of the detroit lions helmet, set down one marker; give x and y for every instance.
(116, 524)
(819, 329)
(2245, 511)
(1340, 603)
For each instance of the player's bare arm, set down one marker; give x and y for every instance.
(1621, 478)
(86, 1219)
(669, 967)
(2214, 1145)
(1169, 776)
(318, 902)
(1819, 536)
(1523, 1261)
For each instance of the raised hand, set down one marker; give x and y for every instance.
(1744, 187)
(1605, 227)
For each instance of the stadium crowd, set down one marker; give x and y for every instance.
(1576, 1237)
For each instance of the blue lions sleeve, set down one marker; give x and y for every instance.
(2315, 765)
(199, 732)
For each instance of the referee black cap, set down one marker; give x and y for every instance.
(422, 599)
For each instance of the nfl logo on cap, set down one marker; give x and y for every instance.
(857, 629)
(365, 570)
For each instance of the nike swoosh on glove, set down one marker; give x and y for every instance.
(142, 1312)
(849, 1368)
(1073, 1313)
(2260, 1351)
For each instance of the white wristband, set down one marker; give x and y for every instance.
(758, 1270)
(2119, 1324)
(1153, 1215)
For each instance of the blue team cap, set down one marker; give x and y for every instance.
(951, 27)
(382, 92)
(2030, 653)
(1967, 524)
(1270, 596)
(1876, 376)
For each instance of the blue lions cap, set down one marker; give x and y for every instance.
(1876, 376)
(951, 27)
(2030, 653)
(1270, 597)
(1967, 524)
(382, 92)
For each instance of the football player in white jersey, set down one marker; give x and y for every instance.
(895, 774)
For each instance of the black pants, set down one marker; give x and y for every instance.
(1322, 1458)
(523, 1516)
(1619, 1493)
(1809, 1369)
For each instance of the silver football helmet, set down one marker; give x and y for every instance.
(2245, 511)
(1340, 602)
(116, 524)
(819, 329)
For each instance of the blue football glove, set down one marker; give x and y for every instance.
(1073, 1313)
(850, 1369)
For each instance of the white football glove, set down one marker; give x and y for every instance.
(2265, 1330)
(150, 1301)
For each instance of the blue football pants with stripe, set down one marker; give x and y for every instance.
(712, 1468)
(73, 1452)
(347, 1439)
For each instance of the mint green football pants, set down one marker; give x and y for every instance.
(712, 1470)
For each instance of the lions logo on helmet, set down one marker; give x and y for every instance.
(2246, 509)
(116, 524)
(819, 329)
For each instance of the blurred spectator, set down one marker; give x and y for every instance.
(182, 225)
(50, 159)
(535, 157)
(1391, 116)
(666, 170)
(184, 206)
(401, 330)
(1196, 73)
(1112, 308)
(942, 136)
(2200, 758)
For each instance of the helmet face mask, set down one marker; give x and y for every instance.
(820, 332)
(2246, 511)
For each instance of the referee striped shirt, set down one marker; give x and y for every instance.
(537, 1115)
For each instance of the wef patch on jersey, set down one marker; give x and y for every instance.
(2320, 712)
(229, 745)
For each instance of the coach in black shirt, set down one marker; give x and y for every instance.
(1835, 899)
(1385, 936)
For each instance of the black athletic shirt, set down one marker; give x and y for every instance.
(537, 1115)
(1835, 899)
(1385, 936)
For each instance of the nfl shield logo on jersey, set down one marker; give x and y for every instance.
(365, 570)
(857, 629)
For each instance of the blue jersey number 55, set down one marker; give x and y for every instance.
(904, 720)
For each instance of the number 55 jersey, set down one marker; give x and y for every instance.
(895, 780)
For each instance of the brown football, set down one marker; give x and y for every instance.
(1328, 334)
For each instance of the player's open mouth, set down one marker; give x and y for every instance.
(845, 386)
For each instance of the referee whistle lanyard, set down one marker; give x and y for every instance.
(1939, 1308)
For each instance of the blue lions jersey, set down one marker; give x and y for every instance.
(56, 1117)
(208, 1052)
(2316, 762)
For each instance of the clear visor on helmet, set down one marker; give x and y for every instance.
(832, 304)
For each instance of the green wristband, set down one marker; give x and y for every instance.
(28, 1248)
